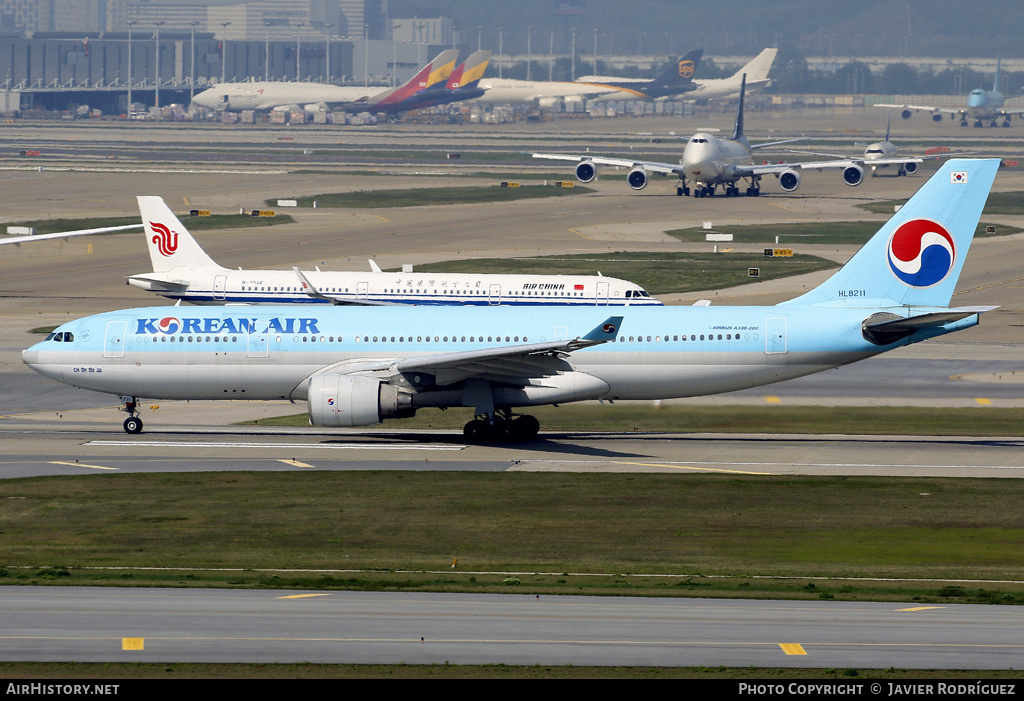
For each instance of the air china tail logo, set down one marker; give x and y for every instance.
(921, 253)
(686, 69)
(166, 240)
(608, 328)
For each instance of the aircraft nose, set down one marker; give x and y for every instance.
(30, 356)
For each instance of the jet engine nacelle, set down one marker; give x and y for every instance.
(789, 180)
(906, 114)
(339, 400)
(853, 175)
(637, 178)
(586, 172)
(937, 117)
(316, 108)
(911, 167)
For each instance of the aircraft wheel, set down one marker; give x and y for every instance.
(525, 427)
(679, 192)
(479, 432)
(133, 424)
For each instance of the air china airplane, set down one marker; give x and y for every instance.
(356, 366)
(182, 270)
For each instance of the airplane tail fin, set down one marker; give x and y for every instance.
(681, 72)
(916, 257)
(442, 67)
(170, 244)
(737, 132)
(757, 70)
(470, 72)
(436, 71)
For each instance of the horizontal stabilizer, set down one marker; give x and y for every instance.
(884, 328)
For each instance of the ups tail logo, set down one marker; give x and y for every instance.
(686, 69)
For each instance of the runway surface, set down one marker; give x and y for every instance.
(201, 625)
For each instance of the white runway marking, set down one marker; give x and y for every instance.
(290, 446)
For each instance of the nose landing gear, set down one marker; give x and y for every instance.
(133, 424)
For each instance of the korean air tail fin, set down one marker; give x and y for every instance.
(916, 257)
(170, 244)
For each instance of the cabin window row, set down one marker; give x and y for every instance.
(679, 338)
(437, 339)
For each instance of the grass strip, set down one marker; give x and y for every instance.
(997, 203)
(775, 419)
(418, 197)
(685, 534)
(660, 273)
(791, 235)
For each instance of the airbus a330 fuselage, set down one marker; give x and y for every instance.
(357, 366)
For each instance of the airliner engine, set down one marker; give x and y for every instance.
(637, 178)
(853, 175)
(789, 180)
(338, 400)
(586, 172)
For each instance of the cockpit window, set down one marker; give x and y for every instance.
(49, 336)
(68, 337)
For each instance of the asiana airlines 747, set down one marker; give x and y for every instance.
(355, 366)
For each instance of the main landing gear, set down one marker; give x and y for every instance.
(133, 424)
(501, 427)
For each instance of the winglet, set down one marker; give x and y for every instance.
(310, 289)
(605, 331)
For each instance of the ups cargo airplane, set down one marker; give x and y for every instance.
(183, 271)
(675, 80)
(356, 366)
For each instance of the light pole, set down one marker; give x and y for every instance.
(479, 29)
(130, 23)
(574, 53)
(595, 52)
(501, 49)
(266, 51)
(529, 33)
(328, 26)
(366, 55)
(156, 96)
(298, 52)
(223, 47)
(192, 62)
(394, 56)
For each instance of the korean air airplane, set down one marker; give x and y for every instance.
(182, 270)
(355, 366)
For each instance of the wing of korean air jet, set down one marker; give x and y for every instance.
(514, 365)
